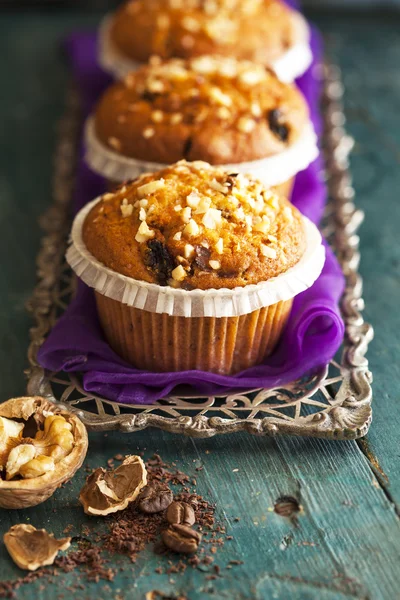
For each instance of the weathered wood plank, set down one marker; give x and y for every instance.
(372, 98)
(346, 544)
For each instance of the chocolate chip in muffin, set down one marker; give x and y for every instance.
(202, 258)
(159, 261)
(276, 126)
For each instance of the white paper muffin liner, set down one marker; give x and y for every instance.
(195, 303)
(293, 63)
(272, 170)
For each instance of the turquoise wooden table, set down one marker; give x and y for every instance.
(346, 542)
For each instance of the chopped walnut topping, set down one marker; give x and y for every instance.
(218, 187)
(155, 86)
(157, 116)
(114, 143)
(176, 118)
(273, 200)
(126, 209)
(204, 65)
(252, 76)
(151, 187)
(272, 238)
(203, 206)
(288, 213)
(190, 24)
(256, 110)
(223, 113)
(142, 214)
(246, 125)
(148, 133)
(221, 29)
(179, 273)
(178, 236)
(219, 97)
(215, 264)
(188, 250)
(267, 251)
(186, 214)
(264, 226)
(155, 60)
(107, 197)
(191, 228)
(193, 200)
(228, 68)
(144, 233)
(219, 246)
(177, 208)
(212, 218)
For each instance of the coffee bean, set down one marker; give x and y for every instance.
(180, 513)
(154, 498)
(181, 539)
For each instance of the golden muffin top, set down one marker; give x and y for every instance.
(215, 109)
(259, 30)
(197, 227)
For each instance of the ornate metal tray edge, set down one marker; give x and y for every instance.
(338, 405)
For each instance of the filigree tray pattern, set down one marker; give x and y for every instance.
(334, 402)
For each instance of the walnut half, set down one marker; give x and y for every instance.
(41, 446)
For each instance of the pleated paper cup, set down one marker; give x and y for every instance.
(290, 65)
(160, 328)
(278, 170)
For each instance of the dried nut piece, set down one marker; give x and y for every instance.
(181, 539)
(180, 513)
(107, 492)
(10, 434)
(55, 440)
(31, 548)
(34, 467)
(154, 498)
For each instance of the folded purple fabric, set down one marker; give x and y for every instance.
(311, 338)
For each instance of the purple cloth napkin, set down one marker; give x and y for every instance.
(311, 338)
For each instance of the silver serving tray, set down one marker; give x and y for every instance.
(333, 402)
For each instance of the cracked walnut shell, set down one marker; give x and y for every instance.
(41, 446)
(107, 492)
(32, 548)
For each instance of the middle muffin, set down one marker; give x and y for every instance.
(236, 114)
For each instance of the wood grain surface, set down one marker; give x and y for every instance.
(346, 542)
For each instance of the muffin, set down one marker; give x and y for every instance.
(264, 31)
(218, 110)
(194, 268)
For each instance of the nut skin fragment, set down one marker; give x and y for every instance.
(107, 492)
(181, 539)
(32, 548)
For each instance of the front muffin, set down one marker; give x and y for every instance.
(194, 268)
(264, 31)
(223, 111)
